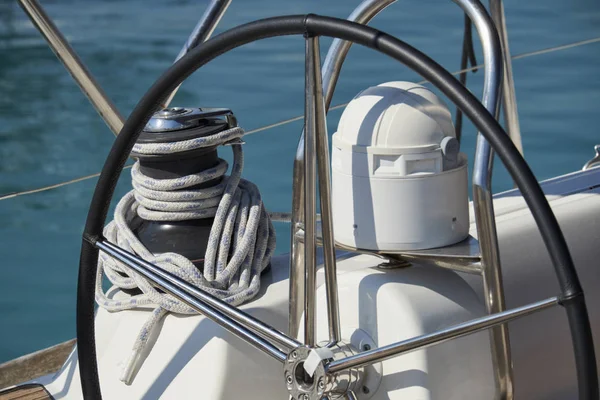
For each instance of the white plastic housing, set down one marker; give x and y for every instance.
(398, 180)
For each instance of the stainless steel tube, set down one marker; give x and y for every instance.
(65, 53)
(88, 85)
(493, 288)
(229, 317)
(202, 32)
(594, 161)
(420, 342)
(310, 195)
(333, 313)
(331, 70)
(482, 198)
(509, 98)
(351, 396)
(297, 266)
(336, 55)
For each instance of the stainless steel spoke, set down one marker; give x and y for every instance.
(333, 313)
(420, 342)
(331, 70)
(316, 149)
(229, 317)
(310, 195)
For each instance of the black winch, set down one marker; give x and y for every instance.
(190, 237)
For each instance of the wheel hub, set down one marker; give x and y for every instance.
(306, 377)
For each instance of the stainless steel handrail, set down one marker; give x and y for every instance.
(88, 85)
(594, 161)
(65, 53)
(482, 197)
(509, 98)
(336, 55)
(203, 30)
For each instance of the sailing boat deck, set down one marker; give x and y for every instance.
(26, 392)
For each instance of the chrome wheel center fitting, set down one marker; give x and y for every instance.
(306, 377)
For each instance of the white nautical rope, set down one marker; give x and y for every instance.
(240, 245)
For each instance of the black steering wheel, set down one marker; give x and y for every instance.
(571, 293)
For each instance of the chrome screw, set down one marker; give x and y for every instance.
(289, 379)
(294, 354)
(321, 384)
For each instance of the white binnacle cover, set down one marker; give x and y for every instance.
(398, 179)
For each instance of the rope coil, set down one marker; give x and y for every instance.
(240, 245)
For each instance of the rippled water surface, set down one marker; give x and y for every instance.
(49, 133)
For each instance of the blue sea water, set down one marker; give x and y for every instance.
(49, 133)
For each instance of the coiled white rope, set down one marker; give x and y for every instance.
(240, 245)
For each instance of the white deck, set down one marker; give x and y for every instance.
(194, 358)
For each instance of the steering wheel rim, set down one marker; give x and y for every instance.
(571, 296)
